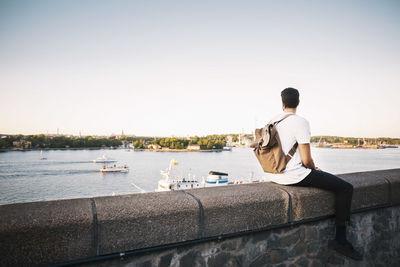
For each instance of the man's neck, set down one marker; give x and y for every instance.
(292, 110)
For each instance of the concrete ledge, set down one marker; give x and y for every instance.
(42, 233)
(393, 177)
(61, 231)
(370, 189)
(308, 203)
(231, 209)
(143, 220)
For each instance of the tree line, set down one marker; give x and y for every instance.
(355, 140)
(43, 141)
(207, 142)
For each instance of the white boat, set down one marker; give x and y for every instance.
(114, 168)
(104, 159)
(216, 179)
(171, 181)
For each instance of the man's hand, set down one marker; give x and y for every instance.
(305, 155)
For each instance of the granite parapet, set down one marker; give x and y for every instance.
(370, 189)
(51, 232)
(307, 203)
(137, 221)
(41, 233)
(393, 177)
(238, 208)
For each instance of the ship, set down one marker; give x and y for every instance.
(170, 181)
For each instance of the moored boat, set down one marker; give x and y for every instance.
(216, 179)
(171, 181)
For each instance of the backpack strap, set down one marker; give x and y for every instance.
(273, 123)
(284, 117)
(291, 152)
(294, 147)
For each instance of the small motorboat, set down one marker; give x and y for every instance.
(216, 179)
(104, 159)
(114, 168)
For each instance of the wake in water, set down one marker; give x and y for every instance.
(57, 172)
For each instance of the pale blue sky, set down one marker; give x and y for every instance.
(198, 67)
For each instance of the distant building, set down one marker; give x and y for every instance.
(193, 147)
(246, 141)
(154, 146)
(229, 140)
(23, 144)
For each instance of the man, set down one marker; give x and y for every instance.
(301, 170)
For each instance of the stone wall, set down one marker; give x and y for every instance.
(376, 233)
(244, 225)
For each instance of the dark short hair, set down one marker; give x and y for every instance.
(290, 97)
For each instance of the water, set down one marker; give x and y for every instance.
(72, 174)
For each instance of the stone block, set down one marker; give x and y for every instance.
(42, 233)
(165, 260)
(393, 176)
(308, 203)
(137, 221)
(232, 209)
(370, 189)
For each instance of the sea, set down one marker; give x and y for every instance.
(65, 174)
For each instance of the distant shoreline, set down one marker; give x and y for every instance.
(61, 148)
(180, 150)
(109, 148)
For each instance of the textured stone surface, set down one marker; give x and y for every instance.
(40, 233)
(239, 208)
(370, 189)
(143, 220)
(307, 203)
(375, 233)
(61, 231)
(393, 176)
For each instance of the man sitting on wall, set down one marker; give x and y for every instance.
(301, 171)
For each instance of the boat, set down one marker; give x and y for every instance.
(41, 155)
(114, 168)
(171, 181)
(216, 179)
(104, 159)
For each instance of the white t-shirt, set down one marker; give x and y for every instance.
(293, 128)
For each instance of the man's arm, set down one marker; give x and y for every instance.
(305, 155)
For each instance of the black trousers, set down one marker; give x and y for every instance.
(342, 189)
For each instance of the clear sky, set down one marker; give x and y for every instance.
(182, 68)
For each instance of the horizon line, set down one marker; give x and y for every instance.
(177, 136)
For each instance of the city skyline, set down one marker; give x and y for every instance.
(179, 68)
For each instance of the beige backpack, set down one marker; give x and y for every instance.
(268, 149)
